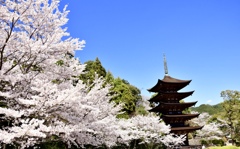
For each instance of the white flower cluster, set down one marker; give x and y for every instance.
(210, 130)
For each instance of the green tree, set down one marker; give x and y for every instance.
(123, 92)
(231, 106)
(109, 78)
(92, 69)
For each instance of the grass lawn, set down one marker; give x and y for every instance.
(224, 147)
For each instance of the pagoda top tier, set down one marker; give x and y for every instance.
(168, 84)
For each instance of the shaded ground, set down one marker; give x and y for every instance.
(224, 147)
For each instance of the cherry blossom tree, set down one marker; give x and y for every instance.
(211, 130)
(150, 129)
(31, 44)
(41, 94)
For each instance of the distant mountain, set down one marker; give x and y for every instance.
(211, 109)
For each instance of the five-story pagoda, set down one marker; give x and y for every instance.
(169, 106)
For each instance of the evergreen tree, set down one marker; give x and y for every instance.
(127, 95)
(231, 106)
(109, 78)
(92, 69)
(122, 91)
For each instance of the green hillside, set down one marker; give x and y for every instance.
(211, 109)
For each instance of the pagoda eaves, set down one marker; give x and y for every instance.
(170, 97)
(169, 83)
(182, 130)
(172, 107)
(178, 118)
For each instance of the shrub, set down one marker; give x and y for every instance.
(204, 142)
(219, 142)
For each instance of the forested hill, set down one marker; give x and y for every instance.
(211, 109)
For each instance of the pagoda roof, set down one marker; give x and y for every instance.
(169, 84)
(184, 130)
(165, 107)
(177, 118)
(164, 96)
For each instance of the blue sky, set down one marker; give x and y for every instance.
(201, 40)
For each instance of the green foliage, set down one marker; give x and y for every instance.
(92, 68)
(187, 110)
(8, 146)
(53, 142)
(190, 135)
(210, 109)
(60, 62)
(122, 91)
(224, 147)
(140, 110)
(228, 110)
(52, 145)
(125, 94)
(123, 115)
(36, 68)
(138, 144)
(231, 106)
(3, 102)
(204, 142)
(4, 122)
(218, 142)
(109, 78)
(56, 81)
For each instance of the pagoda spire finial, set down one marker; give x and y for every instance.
(165, 65)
